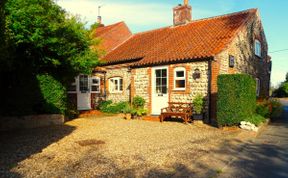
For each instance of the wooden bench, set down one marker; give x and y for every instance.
(177, 109)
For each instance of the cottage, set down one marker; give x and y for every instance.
(178, 62)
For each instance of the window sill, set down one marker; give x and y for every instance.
(120, 92)
(175, 89)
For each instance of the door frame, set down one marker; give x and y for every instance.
(153, 85)
(79, 93)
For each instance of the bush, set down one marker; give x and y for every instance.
(138, 102)
(236, 99)
(282, 91)
(255, 119)
(198, 104)
(277, 108)
(263, 109)
(114, 108)
(54, 95)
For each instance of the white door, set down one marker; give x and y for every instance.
(159, 89)
(83, 93)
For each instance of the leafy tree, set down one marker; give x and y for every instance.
(48, 38)
(39, 38)
(287, 77)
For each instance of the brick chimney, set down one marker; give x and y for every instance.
(99, 21)
(182, 13)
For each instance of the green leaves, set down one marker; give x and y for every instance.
(236, 98)
(198, 103)
(48, 37)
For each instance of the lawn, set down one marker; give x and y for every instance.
(112, 147)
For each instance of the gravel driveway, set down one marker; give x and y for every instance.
(111, 147)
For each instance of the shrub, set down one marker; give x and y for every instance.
(110, 107)
(236, 99)
(282, 91)
(127, 109)
(277, 108)
(54, 95)
(139, 112)
(138, 102)
(263, 109)
(255, 119)
(198, 104)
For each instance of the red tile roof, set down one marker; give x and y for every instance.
(112, 35)
(198, 39)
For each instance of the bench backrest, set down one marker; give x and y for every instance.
(180, 107)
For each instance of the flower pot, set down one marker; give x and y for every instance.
(198, 117)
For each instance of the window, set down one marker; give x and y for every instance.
(72, 87)
(258, 86)
(231, 61)
(95, 85)
(116, 85)
(258, 49)
(161, 81)
(83, 83)
(179, 78)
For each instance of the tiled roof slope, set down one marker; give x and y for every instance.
(195, 40)
(112, 35)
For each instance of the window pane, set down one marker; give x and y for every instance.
(95, 81)
(83, 83)
(158, 89)
(164, 81)
(158, 82)
(95, 88)
(164, 72)
(179, 73)
(158, 73)
(180, 83)
(121, 84)
(164, 89)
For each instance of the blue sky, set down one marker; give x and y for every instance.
(142, 15)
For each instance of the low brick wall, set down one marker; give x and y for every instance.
(27, 122)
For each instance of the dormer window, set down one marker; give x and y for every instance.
(258, 48)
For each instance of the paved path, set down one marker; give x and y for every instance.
(266, 156)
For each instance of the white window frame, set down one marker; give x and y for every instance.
(258, 87)
(111, 85)
(94, 84)
(177, 69)
(74, 84)
(258, 48)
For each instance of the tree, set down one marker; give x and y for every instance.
(287, 77)
(49, 39)
(39, 38)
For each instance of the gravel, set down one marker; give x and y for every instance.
(110, 147)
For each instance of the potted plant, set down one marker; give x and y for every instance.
(198, 104)
(127, 112)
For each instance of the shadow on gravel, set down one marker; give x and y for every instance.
(16, 146)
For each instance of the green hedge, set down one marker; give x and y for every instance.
(54, 95)
(236, 99)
